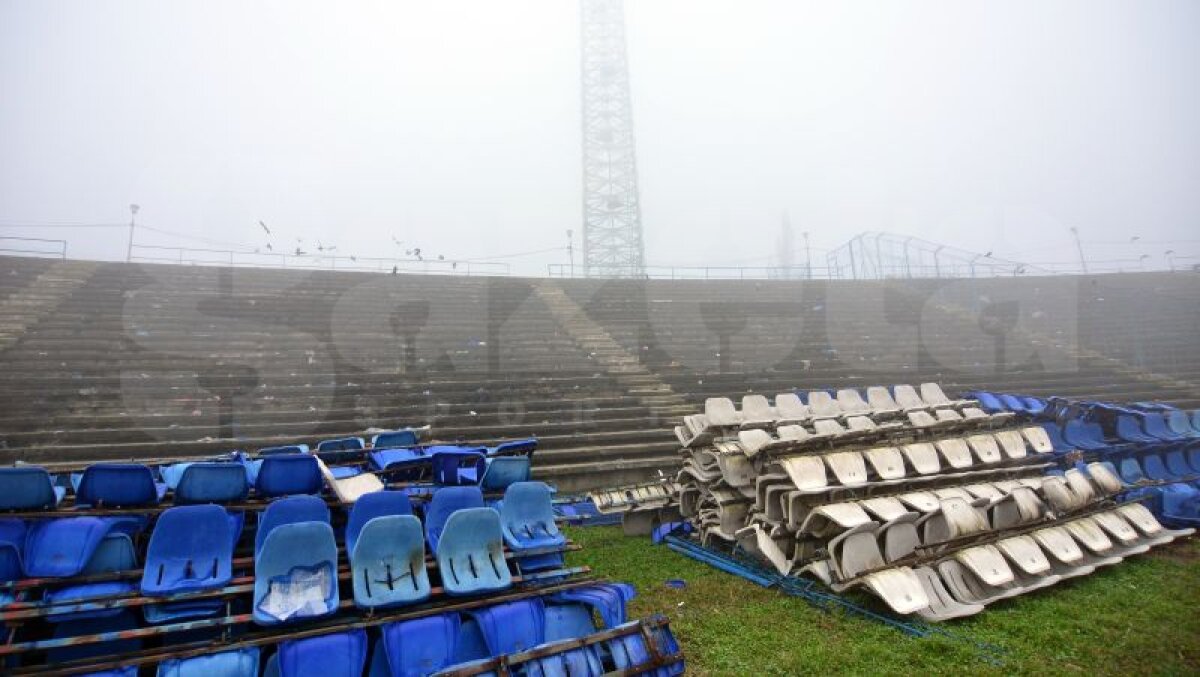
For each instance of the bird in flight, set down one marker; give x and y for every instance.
(264, 227)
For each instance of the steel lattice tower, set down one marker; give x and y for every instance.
(612, 215)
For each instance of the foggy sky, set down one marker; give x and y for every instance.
(454, 125)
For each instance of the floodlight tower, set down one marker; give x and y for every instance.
(612, 215)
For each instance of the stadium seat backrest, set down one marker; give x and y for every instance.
(27, 488)
(470, 553)
(212, 483)
(822, 403)
(851, 401)
(342, 444)
(525, 446)
(118, 484)
(341, 654)
(190, 549)
(453, 466)
(394, 439)
(513, 626)
(444, 503)
(372, 505)
(237, 663)
(387, 563)
(295, 574)
(503, 471)
(71, 546)
(906, 396)
(607, 599)
(289, 510)
(286, 474)
(527, 516)
(420, 646)
(285, 449)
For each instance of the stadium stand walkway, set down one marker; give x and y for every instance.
(138, 361)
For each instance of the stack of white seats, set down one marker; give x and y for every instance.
(927, 501)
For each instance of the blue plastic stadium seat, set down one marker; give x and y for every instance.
(607, 599)
(454, 466)
(503, 471)
(284, 449)
(444, 502)
(295, 574)
(416, 647)
(372, 505)
(470, 553)
(341, 654)
(114, 552)
(76, 545)
(395, 439)
(1131, 471)
(1193, 457)
(342, 444)
(287, 474)
(1057, 441)
(585, 512)
(118, 485)
(1177, 464)
(402, 464)
(1155, 424)
(1084, 435)
(527, 518)
(1156, 470)
(1180, 505)
(1013, 403)
(388, 563)
(569, 615)
(470, 645)
(12, 552)
(191, 549)
(289, 510)
(210, 482)
(1129, 429)
(238, 663)
(513, 626)
(28, 488)
(989, 402)
(1179, 422)
(523, 447)
(1034, 405)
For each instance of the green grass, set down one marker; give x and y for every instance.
(1139, 617)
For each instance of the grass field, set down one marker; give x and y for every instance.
(1139, 617)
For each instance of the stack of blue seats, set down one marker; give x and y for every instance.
(210, 564)
(1153, 447)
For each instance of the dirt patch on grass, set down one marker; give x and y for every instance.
(1183, 551)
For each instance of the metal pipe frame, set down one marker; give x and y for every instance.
(263, 638)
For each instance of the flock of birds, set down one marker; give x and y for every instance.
(414, 252)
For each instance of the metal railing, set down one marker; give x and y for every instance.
(944, 270)
(564, 270)
(234, 258)
(32, 246)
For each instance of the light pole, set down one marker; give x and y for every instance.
(133, 210)
(571, 249)
(1079, 246)
(807, 257)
